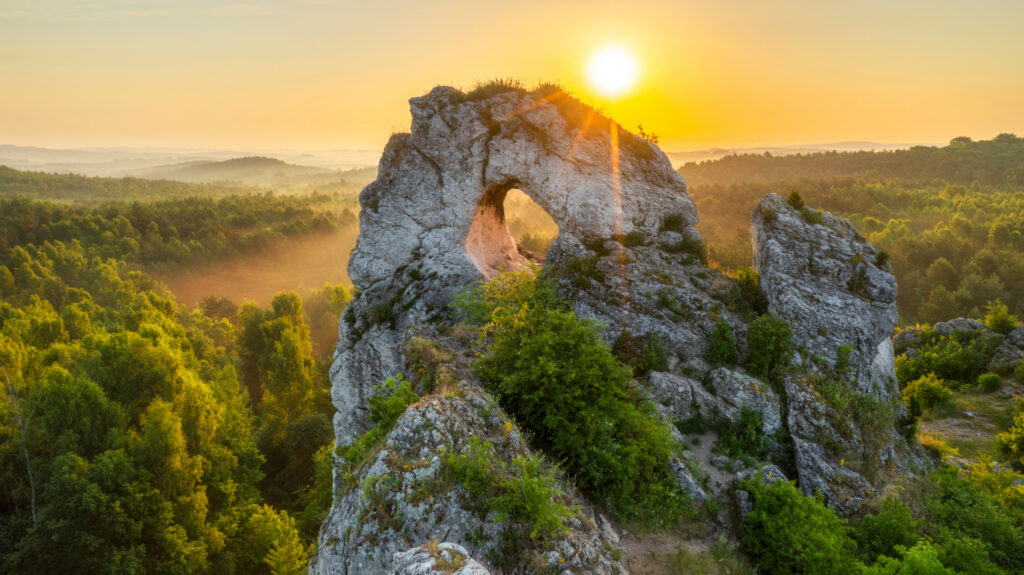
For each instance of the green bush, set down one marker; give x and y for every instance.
(769, 347)
(743, 438)
(552, 372)
(749, 283)
(523, 491)
(998, 317)
(812, 216)
(507, 291)
(633, 239)
(958, 358)
(387, 404)
(787, 532)
(883, 532)
(723, 345)
(989, 382)
(795, 200)
(673, 223)
(961, 508)
(644, 354)
(927, 391)
(921, 559)
(1010, 443)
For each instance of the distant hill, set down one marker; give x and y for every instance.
(996, 162)
(84, 190)
(259, 170)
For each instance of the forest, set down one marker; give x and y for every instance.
(137, 435)
(951, 218)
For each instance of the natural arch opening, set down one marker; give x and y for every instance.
(509, 230)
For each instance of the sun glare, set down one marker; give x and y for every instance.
(612, 71)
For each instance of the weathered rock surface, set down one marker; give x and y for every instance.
(832, 288)
(433, 221)
(403, 496)
(442, 559)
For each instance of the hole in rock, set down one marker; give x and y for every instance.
(509, 230)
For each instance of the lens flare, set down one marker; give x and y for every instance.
(612, 71)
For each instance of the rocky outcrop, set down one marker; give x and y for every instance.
(837, 293)
(404, 495)
(433, 220)
(628, 256)
(831, 286)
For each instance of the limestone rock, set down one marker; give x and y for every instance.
(433, 221)
(826, 281)
(401, 495)
(736, 390)
(441, 559)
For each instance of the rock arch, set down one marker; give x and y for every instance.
(418, 245)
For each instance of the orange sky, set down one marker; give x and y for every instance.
(310, 74)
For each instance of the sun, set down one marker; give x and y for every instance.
(612, 71)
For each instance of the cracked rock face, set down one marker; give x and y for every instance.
(831, 286)
(445, 559)
(403, 496)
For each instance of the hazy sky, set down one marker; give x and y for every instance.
(338, 74)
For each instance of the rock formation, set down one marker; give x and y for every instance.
(831, 286)
(628, 256)
(433, 220)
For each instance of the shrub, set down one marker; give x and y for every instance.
(389, 401)
(696, 424)
(723, 345)
(743, 438)
(691, 245)
(795, 200)
(387, 404)
(998, 317)
(881, 533)
(928, 391)
(842, 365)
(561, 382)
(523, 491)
(789, 533)
(812, 216)
(673, 223)
(581, 269)
(769, 347)
(989, 382)
(1010, 443)
(958, 358)
(749, 283)
(921, 559)
(490, 88)
(633, 239)
(643, 354)
(960, 508)
(507, 291)
(882, 259)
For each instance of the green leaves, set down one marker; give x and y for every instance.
(552, 372)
